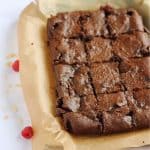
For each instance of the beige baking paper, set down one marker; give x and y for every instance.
(39, 87)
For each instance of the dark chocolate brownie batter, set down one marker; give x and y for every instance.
(101, 60)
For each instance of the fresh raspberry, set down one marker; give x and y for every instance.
(27, 132)
(15, 66)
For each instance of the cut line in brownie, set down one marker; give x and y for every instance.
(101, 61)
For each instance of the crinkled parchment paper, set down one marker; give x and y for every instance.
(39, 85)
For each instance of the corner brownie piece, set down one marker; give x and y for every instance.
(64, 25)
(101, 61)
(139, 104)
(122, 20)
(115, 112)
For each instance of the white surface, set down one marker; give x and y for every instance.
(13, 113)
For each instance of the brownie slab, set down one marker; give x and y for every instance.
(101, 61)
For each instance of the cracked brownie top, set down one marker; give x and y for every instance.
(101, 61)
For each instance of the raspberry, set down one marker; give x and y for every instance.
(15, 66)
(27, 132)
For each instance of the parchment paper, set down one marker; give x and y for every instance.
(39, 84)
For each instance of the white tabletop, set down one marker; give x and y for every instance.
(13, 112)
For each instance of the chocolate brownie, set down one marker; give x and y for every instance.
(101, 61)
(135, 73)
(99, 50)
(72, 80)
(131, 45)
(68, 51)
(124, 21)
(106, 78)
(64, 25)
(139, 104)
(93, 24)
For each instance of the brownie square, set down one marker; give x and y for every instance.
(138, 99)
(135, 73)
(72, 80)
(93, 24)
(111, 102)
(88, 106)
(64, 25)
(118, 22)
(80, 124)
(99, 50)
(116, 122)
(105, 77)
(68, 51)
(124, 21)
(139, 104)
(131, 45)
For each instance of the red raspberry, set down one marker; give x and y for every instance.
(15, 66)
(27, 132)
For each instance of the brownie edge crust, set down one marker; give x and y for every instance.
(101, 61)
